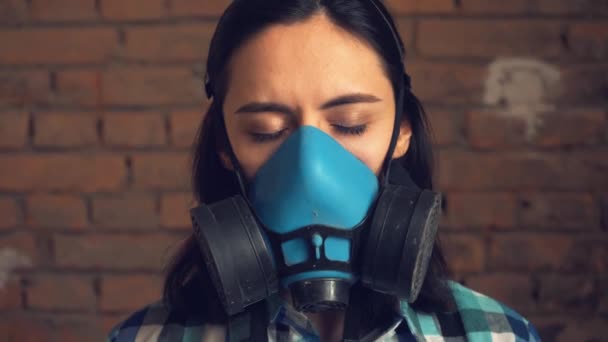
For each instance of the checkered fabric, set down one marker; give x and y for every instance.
(478, 318)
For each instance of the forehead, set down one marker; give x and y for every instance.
(313, 56)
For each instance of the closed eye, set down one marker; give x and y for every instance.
(350, 130)
(267, 137)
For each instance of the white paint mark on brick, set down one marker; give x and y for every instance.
(9, 260)
(522, 88)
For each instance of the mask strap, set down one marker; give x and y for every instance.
(395, 135)
(403, 87)
(392, 29)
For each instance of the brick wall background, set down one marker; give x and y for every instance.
(100, 100)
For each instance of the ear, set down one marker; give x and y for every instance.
(225, 159)
(403, 141)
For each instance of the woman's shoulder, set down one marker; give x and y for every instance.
(476, 316)
(156, 322)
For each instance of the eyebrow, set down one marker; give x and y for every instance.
(265, 107)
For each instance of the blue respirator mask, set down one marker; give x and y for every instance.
(315, 221)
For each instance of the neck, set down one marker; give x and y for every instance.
(329, 324)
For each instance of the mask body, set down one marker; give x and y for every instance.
(310, 184)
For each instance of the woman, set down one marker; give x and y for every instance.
(313, 170)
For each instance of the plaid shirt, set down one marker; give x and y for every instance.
(477, 318)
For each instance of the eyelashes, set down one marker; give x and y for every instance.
(350, 130)
(266, 137)
(340, 129)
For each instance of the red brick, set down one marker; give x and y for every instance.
(129, 293)
(125, 211)
(166, 171)
(405, 28)
(78, 87)
(604, 211)
(184, 126)
(589, 254)
(20, 88)
(515, 290)
(186, 42)
(556, 128)
(18, 250)
(567, 293)
(190, 8)
(25, 328)
(495, 7)
(132, 9)
(63, 10)
(464, 253)
(474, 210)
(175, 210)
(65, 130)
(583, 84)
(151, 86)
(13, 130)
(109, 321)
(530, 252)
(548, 327)
(10, 213)
(559, 211)
(115, 252)
(445, 127)
(420, 6)
(66, 292)
(489, 38)
(572, 7)
(76, 328)
(582, 328)
(62, 172)
(58, 45)
(447, 83)
(56, 211)
(13, 11)
(134, 129)
(603, 286)
(10, 294)
(469, 171)
(587, 168)
(589, 40)
(496, 130)
(522, 171)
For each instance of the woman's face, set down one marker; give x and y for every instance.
(310, 73)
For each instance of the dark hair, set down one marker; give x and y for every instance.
(188, 289)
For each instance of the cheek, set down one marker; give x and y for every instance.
(251, 156)
(371, 148)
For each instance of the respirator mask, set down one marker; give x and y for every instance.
(315, 221)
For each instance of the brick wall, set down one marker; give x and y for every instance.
(100, 99)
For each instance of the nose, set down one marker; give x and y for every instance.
(313, 118)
